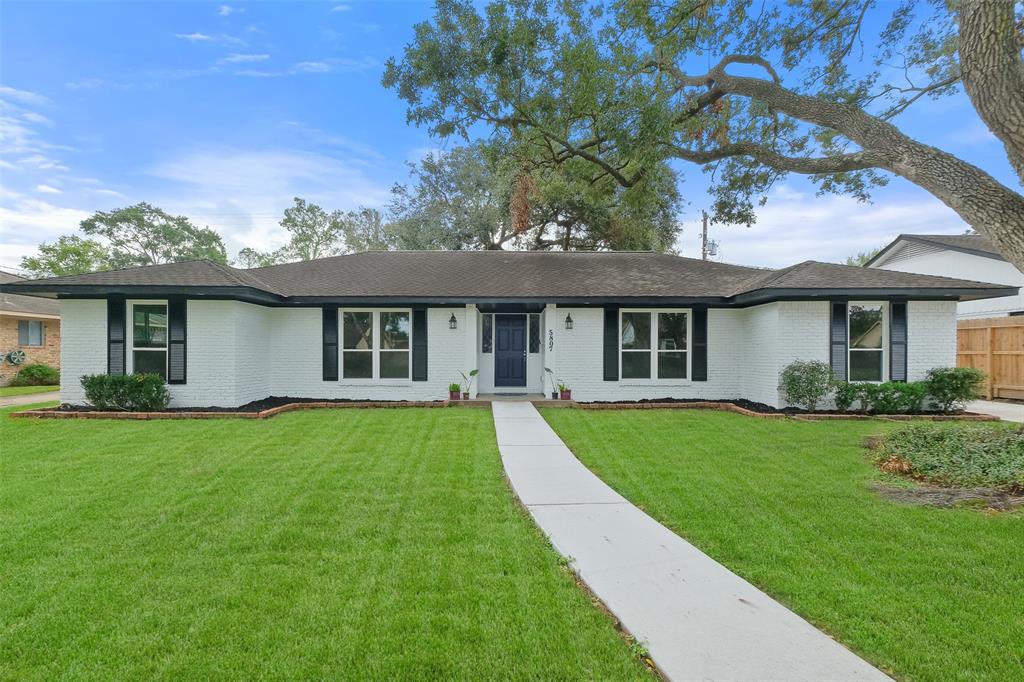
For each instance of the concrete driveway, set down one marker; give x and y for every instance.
(29, 399)
(1009, 412)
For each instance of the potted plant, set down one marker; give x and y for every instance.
(551, 378)
(564, 392)
(468, 378)
(454, 391)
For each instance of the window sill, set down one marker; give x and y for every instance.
(656, 383)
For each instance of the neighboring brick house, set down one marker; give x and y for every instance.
(401, 325)
(29, 324)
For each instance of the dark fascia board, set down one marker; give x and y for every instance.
(919, 240)
(247, 294)
(918, 293)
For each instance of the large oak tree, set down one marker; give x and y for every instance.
(750, 91)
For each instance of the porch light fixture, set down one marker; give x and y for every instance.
(452, 322)
(568, 321)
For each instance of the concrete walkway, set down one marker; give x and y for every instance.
(29, 398)
(698, 620)
(1008, 412)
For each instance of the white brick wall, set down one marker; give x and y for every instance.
(931, 337)
(239, 352)
(83, 345)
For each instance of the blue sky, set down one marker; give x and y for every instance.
(223, 112)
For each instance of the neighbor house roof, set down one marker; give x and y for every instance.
(975, 244)
(453, 276)
(16, 304)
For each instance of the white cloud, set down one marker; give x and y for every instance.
(25, 222)
(312, 67)
(43, 162)
(24, 96)
(228, 10)
(341, 8)
(236, 58)
(242, 193)
(33, 117)
(109, 193)
(194, 37)
(96, 84)
(48, 189)
(794, 227)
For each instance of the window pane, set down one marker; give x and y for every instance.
(394, 365)
(486, 333)
(671, 331)
(22, 332)
(35, 333)
(357, 365)
(150, 362)
(357, 330)
(636, 330)
(394, 330)
(865, 326)
(534, 333)
(149, 324)
(636, 365)
(672, 365)
(866, 365)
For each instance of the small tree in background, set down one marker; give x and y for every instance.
(69, 255)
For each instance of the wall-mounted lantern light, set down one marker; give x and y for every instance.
(452, 322)
(568, 321)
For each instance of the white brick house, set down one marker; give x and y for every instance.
(401, 325)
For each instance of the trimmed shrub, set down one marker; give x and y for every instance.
(990, 456)
(806, 383)
(895, 397)
(36, 374)
(129, 393)
(952, 387)
(846, 394)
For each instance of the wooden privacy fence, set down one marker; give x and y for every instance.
(994, 345)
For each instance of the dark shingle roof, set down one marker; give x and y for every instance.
(510, 274)
(13, 304)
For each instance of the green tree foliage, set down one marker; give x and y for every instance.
(492, 196)
(69, 255)
(863, 257)
(146, 235)
(315, 233)
(366, 229)
(748, 91)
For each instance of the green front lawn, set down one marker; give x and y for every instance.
(925, 593)
(358, 544)
(7, 391)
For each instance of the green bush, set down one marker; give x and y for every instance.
(846, 394)
(894, 397)
(952, 387)
(806, 383)
(129, 393)
(36, 374)
(991, 456)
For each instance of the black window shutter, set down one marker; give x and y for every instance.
(176, 339)
(330, 344)
(419, 344)
(838, 339)
(700, 344)
(898, 341)
(115, 335)
(611, 343)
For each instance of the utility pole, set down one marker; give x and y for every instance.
(704, 236)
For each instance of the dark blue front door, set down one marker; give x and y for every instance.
(510, 350)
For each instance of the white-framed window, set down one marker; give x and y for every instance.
(147, 333)
(654, 344)
(31, 333)
(868, 329)
(376, 344)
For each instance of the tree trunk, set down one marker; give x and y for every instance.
(992, 71)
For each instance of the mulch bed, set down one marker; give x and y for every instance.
(268, 407)
(989, 498)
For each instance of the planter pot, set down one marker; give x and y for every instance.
(554, 395)
(465, 395)
(567, 395)
(453, 395)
